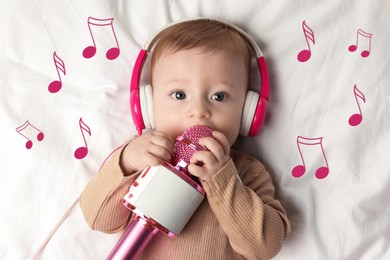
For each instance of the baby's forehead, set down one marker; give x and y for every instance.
(198, 66)
(217, 63)
(204, 51)
(225, 47)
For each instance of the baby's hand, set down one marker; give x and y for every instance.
(149, 149)
(213, 160)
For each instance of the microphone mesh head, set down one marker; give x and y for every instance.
(188, 142)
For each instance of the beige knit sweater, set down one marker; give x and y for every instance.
(240, 219)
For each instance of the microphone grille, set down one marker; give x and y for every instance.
(188, 142)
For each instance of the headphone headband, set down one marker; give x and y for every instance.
(256, 49)
(259, 116)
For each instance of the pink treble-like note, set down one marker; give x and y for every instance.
(299, 170)
(366, 43)
(24, 128)
(56, 85)
(90, 51)
(305, 54)
(357, 118)
(82, 151)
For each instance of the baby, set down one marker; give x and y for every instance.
(199, 76)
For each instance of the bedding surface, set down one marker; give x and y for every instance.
(65, 69)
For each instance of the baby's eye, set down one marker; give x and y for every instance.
(220, 96)
(180, 95)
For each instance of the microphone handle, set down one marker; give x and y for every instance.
(133, 241)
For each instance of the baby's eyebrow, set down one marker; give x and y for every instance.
(223, 83)
(176, 81)
(226, 84)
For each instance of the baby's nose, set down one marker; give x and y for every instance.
(199, 109)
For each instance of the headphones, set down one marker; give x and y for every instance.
(255, 106)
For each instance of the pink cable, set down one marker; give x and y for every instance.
(43, 245)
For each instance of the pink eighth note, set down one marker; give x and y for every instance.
(29, 143)
(357, 118)
(299, 170)
(90, 51)
(360, 34)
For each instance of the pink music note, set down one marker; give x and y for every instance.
(299, 170)
(305, 54)
(90, 51)
(357, 118)
(56, 85)
(367, 50)
(23, 127)
(82, 151)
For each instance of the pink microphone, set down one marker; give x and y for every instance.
(163, 198)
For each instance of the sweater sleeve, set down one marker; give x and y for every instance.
(242, 198)
(101, 199)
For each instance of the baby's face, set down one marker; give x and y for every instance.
(191, 87)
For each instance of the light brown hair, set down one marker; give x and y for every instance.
(205, 34)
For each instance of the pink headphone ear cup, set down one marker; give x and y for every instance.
(146, 101)
(259, 117)
(248, 112)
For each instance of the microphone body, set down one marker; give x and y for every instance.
(163, 198)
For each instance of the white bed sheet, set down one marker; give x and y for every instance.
(340, 213)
